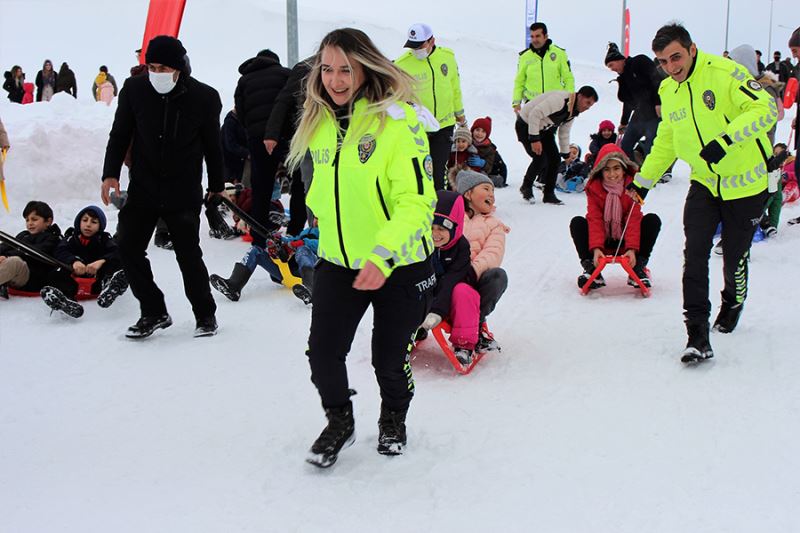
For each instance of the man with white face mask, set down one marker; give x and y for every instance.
(173, 122)
(438, 88)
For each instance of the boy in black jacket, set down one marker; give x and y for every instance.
(19, 271)
(92, 252)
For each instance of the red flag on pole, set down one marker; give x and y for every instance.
(163, 18)
(627, 44)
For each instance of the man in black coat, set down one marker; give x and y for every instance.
(173, 120)
(234, 147)
(638, 92)
(280, 128)
(262, 79)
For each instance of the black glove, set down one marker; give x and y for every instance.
(713, 152)
(212, 200)
(640, 191)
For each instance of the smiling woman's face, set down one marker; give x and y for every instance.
(340, 77)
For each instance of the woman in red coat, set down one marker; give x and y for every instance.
(601, 230)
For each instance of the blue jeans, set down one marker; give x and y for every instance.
(258, 256)
(305, 257)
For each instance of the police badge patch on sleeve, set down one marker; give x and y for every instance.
(552, 56)
(444, 69)
(366, 146)
(754, 85)
(709, 99)
(427, 164)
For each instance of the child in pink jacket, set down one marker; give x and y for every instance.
(487, 281)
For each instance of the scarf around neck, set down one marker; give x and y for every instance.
(612, 213)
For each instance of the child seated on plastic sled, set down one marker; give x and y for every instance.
(608, 208)
(298, 252)
(20, 271)
(572, 171)
(486, 281)
(92, 252)
(463, 155)
(488, 160)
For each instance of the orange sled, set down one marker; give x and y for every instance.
(441, 334)
(84, 289)
(622, 261)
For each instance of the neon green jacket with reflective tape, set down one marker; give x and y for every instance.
(720, 101)
(438, 84)
(373, 193)
(537, 75)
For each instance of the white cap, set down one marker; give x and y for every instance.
(417, 34)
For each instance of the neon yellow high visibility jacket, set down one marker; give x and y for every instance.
(539, 74)
(719, 100)
(438, 83)
(372, 191)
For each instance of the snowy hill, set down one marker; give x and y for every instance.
(585, 422)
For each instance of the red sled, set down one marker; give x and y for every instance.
(84, 289)
(622, 261)
(441, 334)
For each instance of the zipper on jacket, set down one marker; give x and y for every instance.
(700, 136)
(380, 197)
(337, 201)
(541, 63)
(433, 82)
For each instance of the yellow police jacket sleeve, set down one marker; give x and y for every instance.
(661, 156)
(519, 82)
(405, 238)
(758, 110)
(455, 82)
(566, 74)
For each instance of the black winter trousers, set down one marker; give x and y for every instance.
(701, 215)
(545, 164)
(63, 280)
(135, 227)
(648, 232)
(297, 205)
(399, 307)
(262, 180)
(440, 143)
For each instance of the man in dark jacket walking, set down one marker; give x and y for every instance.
(262, 79)
(173, 120)
(638, 91)
(278, 133)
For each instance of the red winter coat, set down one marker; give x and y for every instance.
(596, 202)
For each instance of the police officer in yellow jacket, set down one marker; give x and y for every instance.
(715, 117)
(438, 88)
(373, 197)
(541, 68)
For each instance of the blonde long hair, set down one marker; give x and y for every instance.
(384, 84)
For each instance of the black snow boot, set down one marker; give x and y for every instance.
(641, 271)
(698, 347)
(338, 434)
(728, 317)
(303, 290)
(146, 325)
(391, 432)
(3, 292)
(232, 287)
(113, 287)
(58, 301)
(588, 269)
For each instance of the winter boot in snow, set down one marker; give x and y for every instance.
(232, 287)
(588, 269)
(391, 432)
(3, 292)
(146, 325)
(206, 327)
(58, 301)
(464, 355)
(728, 317)
(698, 348)
(114, 286)
(641, 271)
(486, 341)
(338, 434)
(303, 290)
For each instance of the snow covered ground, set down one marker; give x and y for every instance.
(585, 422)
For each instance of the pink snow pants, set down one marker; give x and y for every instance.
(465, 313)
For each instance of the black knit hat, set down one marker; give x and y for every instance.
(613, 53)
(167, 51)
(794, 40)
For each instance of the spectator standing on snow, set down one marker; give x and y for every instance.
(542, 67)
(46, 80)
(709, 104)
(14, 84)
(173, 120)
(66, 81)
(438, 88)
(778, 67)
(261, 81)
(373, 197)
(108, 77)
